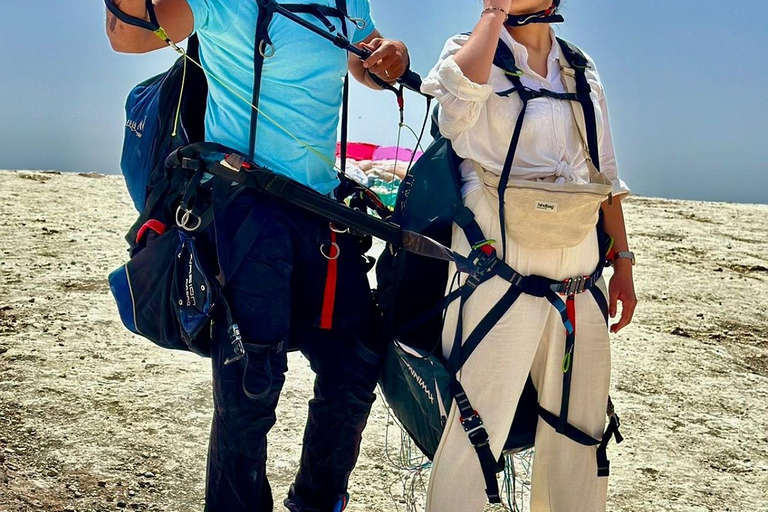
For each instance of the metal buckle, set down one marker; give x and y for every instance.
(482, 263)
(332, 255)
(267, 50)
(472, 423)
(475, 430)
(183, 218)
(236, 341)
(340, 231)
(575, 285)
(360, 23)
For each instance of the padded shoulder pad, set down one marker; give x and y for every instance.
(505, 59)
(573, 54)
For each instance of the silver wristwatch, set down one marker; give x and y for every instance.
(625, 254)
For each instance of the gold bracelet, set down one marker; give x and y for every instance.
(492, 9)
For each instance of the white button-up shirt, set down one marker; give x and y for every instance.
(480, 123)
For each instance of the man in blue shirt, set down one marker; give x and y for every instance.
(283, 290)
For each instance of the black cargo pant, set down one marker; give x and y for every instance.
(276, 294)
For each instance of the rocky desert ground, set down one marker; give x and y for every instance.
(94, 419)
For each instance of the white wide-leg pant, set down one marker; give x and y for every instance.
(530, 338)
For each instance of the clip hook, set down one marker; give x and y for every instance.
(183, 217)
(267, 50)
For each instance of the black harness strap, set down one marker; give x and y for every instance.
(478, 436)
(341, 8)
(488, 322)
(580, 64)
(151, 25)
(261, 43)
(549, 15)
(602, 303)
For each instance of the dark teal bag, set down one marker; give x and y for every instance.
(416, 381)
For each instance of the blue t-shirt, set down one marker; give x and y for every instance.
(301, 85)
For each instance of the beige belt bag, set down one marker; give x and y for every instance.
(544, 215)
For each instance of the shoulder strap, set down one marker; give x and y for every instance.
(574, 64)
(505, 60)
(193, 47)
(341, 6)
(263, 49)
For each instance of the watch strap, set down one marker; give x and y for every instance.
(626, 255)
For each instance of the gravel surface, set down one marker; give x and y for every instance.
(95, 419)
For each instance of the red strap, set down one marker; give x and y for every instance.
(153, 224)
(570, 305)
(329, 297)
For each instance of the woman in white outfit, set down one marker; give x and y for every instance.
(478, 114)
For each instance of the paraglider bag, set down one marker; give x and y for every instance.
(416, 381)
(165, 295)
(416, 385)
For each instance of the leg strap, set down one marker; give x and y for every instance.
(577, 435)
(478, 436)
(603, 464)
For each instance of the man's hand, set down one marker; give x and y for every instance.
(389, 59)
(622, 289)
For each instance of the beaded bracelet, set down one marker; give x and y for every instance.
(493, 8)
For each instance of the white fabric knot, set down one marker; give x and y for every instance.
(566, 174)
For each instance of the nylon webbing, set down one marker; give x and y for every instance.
(263, 48)
(261, 41)
(342, 4)
(478, 436)
(492, 318)
(579, 64)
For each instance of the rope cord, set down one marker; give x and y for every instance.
(413, 153)
(415, 135)
(180, 51)
(285, 130)
(181, 94)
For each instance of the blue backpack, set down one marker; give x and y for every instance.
(163, 113)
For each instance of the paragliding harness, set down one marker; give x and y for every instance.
(173, 283)
(418, 382)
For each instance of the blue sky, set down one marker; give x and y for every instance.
(687, 84)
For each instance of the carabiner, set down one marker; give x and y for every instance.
(267, 50)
